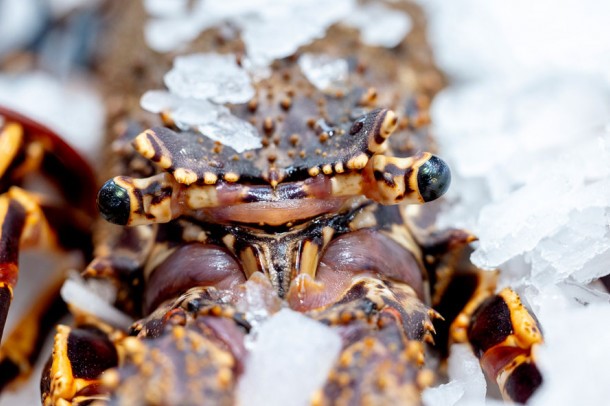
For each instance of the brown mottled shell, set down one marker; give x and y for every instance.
(304, 132)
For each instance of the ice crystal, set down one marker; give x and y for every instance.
(324, 72)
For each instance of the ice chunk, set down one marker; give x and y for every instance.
(158, 101)
(478, 38)
(172, 33)
(257, 299)
(74, 110)
(92, 297)
(581, 248)
(380, 25)
(20, 22)
(538, 156)
(185, 112)
(209, 76)
(270, 29)
(175, 25)
(198, 84)
(574, 357)
(290, 359)
(552, 300)
(164, 8)
(447, 394)
(212, 120)
(323, 71)
(464, 367)
(467, 384)
(281, 28)
(559, 219)
(232, 131)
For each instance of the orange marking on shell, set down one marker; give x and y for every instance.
(11, 137)
(231, 177)
(315, 171)
(9, 273)
(358, 162)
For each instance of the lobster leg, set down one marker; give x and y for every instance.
(27, 147)
(11, 139)
(22, 225)
(369, 297)
(184, 366)
(22, 347)
(377, 366)
(384, 326)
(119, 259)
(189, 351)
(501, 331)
(504, 335)
(79, 357)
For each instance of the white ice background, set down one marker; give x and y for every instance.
(525, 125)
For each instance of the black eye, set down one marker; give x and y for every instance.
(113, 203)
(433, 178)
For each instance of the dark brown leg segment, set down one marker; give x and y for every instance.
(504, 336)
(79, 358)
(501, 331)
(13, 221)
(22, 224)
(22, 347)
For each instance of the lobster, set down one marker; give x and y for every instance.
(319, 218)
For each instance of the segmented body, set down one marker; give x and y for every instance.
(317, 220)
(291, 219)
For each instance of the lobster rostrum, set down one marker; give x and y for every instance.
(324, 218)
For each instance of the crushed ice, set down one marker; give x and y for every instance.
(46, 99)
(209, 76)
(525, 128)
(289, 361)
(575, 356)
(94, 297)
(198, 86)
(20, 21)
(380, 25)
(231, 131)
(467, 382)
(271, 29)
(323, 71)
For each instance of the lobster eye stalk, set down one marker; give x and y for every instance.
(433, 178)
(113, 203)
(161, 198)
(416, 179)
